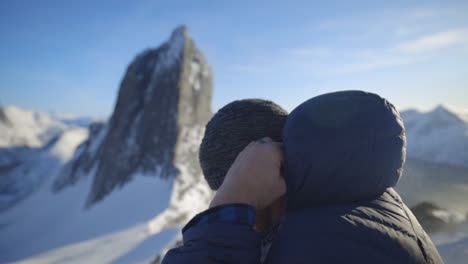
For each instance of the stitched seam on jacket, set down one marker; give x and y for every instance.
(386, 224)
(423, 251)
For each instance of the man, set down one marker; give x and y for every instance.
(231, 130)
(343, 154)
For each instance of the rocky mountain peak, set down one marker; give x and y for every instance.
(444, 114)
(179, 32)
(3, 117)
(162, 107)
(440, 116)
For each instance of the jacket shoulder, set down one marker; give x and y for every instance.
(380, 230)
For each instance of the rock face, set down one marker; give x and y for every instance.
(436, 219)
(3, 117)
(162, 108)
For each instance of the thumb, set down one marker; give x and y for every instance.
(282, 185)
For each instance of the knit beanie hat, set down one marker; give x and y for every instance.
(231, 129)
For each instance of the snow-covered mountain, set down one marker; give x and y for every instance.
(123, 195)
(163, 103)
(26, 128)
(32, 146)
(440, 135)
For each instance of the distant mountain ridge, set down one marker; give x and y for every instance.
(439, 136)
(33, 146)
(21, 127)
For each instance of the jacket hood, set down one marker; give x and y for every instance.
(342, 147)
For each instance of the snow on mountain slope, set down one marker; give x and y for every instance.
(190, 194)
(33, 146)
(440, 135)
(64, 147)
(60, 230)
(22, 127)
(24, 169)
(114, 230)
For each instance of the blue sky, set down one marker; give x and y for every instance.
(69, 56)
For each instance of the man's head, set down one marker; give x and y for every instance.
(342, 147)
(231, 129)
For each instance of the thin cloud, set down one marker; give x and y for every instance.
(434, 41)
(323, 60)
(424, 12)
(377, 63)
(406, 52)
(391, 40)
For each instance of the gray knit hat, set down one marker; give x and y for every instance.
(231, 129)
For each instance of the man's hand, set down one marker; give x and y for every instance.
(255, 176)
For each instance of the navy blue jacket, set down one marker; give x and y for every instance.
(344, 152)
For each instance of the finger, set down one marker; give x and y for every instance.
(264, 140)
(250, 145)
(278, 149)
(281, 186)
(281, 169)
(279, 145)
(243, 152)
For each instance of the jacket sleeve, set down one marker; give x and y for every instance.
(222, 234)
